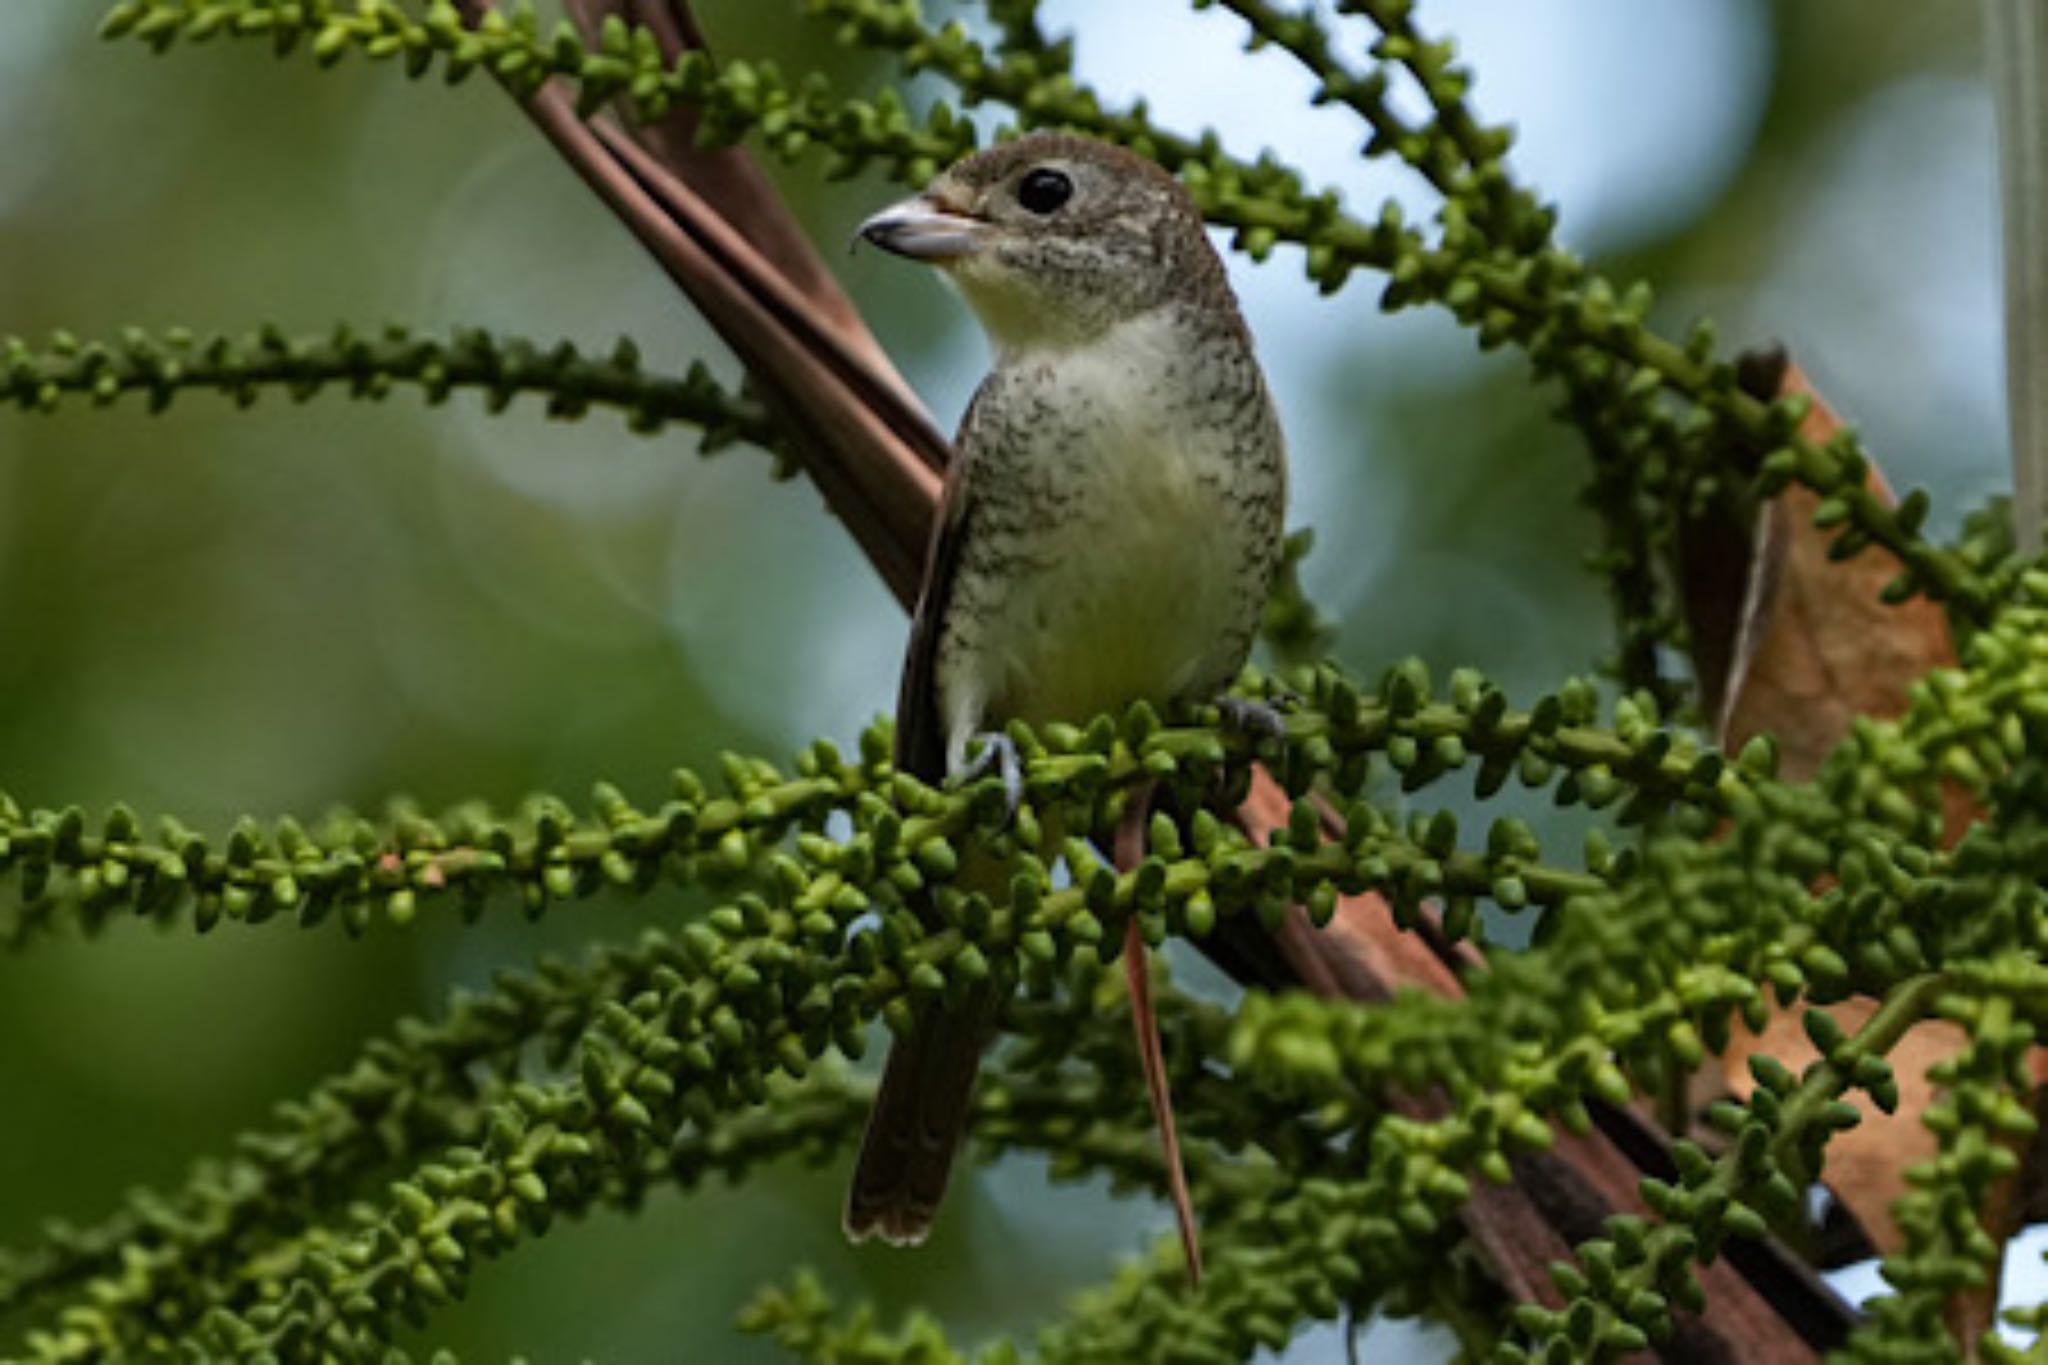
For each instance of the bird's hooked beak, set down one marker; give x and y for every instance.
(925, 228)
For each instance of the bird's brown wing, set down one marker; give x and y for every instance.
(921, 1109)
(920, 726)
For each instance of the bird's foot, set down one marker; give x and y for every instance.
(998, 755)
(1252, 716)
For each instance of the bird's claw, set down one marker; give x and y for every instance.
(1252, 716)
(998, 755)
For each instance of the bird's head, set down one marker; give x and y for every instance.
(1054, 239)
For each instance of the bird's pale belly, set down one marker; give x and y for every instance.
(1146, 606)
(1119, 547)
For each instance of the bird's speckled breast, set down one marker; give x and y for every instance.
(1123, 528)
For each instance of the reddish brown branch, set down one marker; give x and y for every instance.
(1770, 1310)
(865, 441)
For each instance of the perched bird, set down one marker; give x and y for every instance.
(1109, 530)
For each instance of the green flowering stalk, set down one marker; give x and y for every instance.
(373, 367)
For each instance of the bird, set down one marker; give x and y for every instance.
(1109, 530)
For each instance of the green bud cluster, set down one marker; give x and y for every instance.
(1492, 266)
(685, 1032)
(1300, 1252)
(799, 1319)
(1984, 1121)
(764, 826)
(514, 45)
(1693, 935)
(1666, 423)
(1622, 1287)
(1294, 628)
(373, 367)
(406, 1094)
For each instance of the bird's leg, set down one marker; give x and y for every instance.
(1130, 851)
(998, 755)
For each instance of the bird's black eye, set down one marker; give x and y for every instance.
(1044, 190)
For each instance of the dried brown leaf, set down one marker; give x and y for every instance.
(1814, 648)
(1866, 1165)
(1816, 645)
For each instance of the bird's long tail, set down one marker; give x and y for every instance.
(919, 1115)
(1131, 840)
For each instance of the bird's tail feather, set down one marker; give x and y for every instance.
(919, 1115)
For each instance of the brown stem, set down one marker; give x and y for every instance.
(731, 182)
(869, 447)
